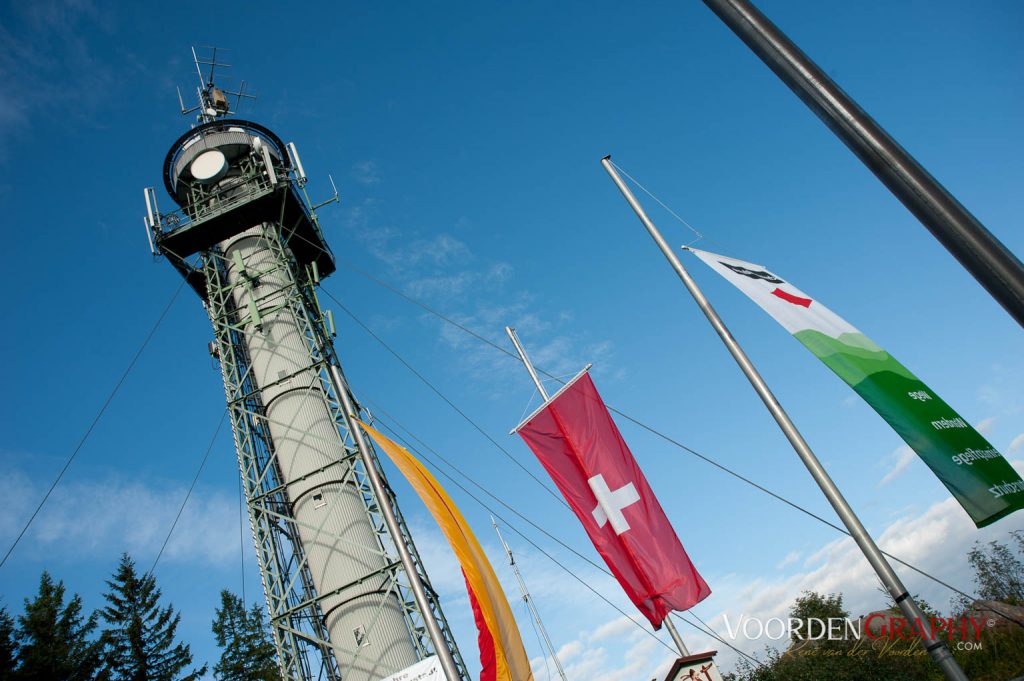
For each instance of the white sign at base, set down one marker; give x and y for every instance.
(424, 670)
(700, 667)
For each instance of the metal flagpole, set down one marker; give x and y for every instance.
(527, 363)
(451, 671)
(529, 601)
(544, 395)
(674, 633)
(936, 648)
(981, 253)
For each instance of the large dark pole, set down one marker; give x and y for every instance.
(984, 256)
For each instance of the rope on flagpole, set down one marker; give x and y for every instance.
(659, 202)
(526, 409)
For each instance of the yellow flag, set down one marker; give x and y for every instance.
(509, 655)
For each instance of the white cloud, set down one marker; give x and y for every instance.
(1002, 391)
(985, 426)
(553, 344)
(1015, 444)
(442, 249)
(48, 68)
(403, 252)
(441, 286)
(615, 650)
(439, 251)
(444, 272)
(570, 651)
(441, 266)
(88, 518)
(614, 629)
(791, 558)
(366, 173)
(904, 455)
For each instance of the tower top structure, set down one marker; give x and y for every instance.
(227, 174)
(213, 102)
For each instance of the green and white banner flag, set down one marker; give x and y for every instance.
(971, 469)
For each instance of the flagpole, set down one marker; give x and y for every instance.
(674, 633)
(529, 601)
(936, 648)
(544, 395)
(527, 363)
(444, 654)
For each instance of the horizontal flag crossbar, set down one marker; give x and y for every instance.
(551, 399)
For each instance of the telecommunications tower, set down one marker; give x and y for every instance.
(348, 597)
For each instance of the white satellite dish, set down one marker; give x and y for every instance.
(209, 166)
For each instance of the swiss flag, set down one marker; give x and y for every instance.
(576, 440)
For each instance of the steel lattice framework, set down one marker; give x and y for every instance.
(342, 605)
(293, 605)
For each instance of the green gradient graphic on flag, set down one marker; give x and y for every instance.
(977, 475)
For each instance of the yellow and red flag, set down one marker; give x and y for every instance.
(502, 654)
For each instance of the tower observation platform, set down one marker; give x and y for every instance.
(346, 591)
(226, 175)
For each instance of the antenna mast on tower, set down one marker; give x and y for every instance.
(347, 593)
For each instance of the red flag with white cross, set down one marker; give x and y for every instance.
(579, 445)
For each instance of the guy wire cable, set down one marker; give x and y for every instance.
(459, 411)
(92, 425)
(635, 421)
(188, 494)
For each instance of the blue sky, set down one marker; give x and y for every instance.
(465, 141)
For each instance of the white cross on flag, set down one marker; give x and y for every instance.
(579, 445)
(611, 504)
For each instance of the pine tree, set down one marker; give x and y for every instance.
(248, 654)
(54, 640)
(139, 639)
(8, 647)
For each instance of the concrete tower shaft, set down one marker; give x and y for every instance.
(358, 599)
